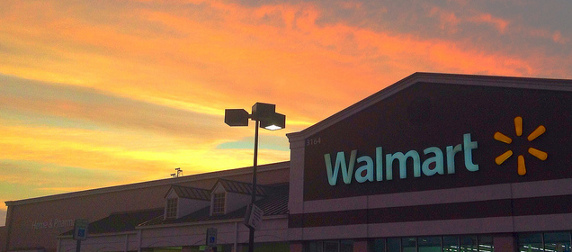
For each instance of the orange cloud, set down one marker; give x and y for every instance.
(255, 51)
(499, 23)
(447, 19)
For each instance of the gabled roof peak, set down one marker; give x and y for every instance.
(242, 187)
(190, 192)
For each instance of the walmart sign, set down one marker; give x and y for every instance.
(373, 169)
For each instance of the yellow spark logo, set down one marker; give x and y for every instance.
(535, 152)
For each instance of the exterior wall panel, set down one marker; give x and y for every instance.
(37, 223)
(444, 191)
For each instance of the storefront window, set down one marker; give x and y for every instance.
(468, 243)
(530, 242)
(317, 246)
(429, 244)
(557, 242)
(377, 245)
(450, 243)
(549, 242)
(408, 244)
(346, 246)
(486, 243)
(330, 246)
(393, 245)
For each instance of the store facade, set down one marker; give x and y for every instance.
(434, 162)
(438, 162)
(135, 217)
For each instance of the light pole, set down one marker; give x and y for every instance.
(264, 115)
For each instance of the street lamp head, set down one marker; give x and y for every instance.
(236, 117)
(274, 122)
(262, 111)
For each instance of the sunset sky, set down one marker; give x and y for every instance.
(102, 93)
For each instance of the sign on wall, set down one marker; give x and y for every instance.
(80, 229)
(211, 237)
(437, 136)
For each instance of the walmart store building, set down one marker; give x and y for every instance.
(434, 162)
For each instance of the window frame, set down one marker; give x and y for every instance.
(171, 209)
(219, 203)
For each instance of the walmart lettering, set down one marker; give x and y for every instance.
(433, 164)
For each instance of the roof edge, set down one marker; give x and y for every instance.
(160, 182)
(247, 184)
(442, 78)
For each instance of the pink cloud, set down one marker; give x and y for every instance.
(277, 50)
(447, 19)
(486, 18)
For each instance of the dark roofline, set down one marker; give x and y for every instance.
(452, 79)
(147, 184)
(242, 187)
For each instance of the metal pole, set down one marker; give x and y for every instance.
(78, 245)
(254, 168)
